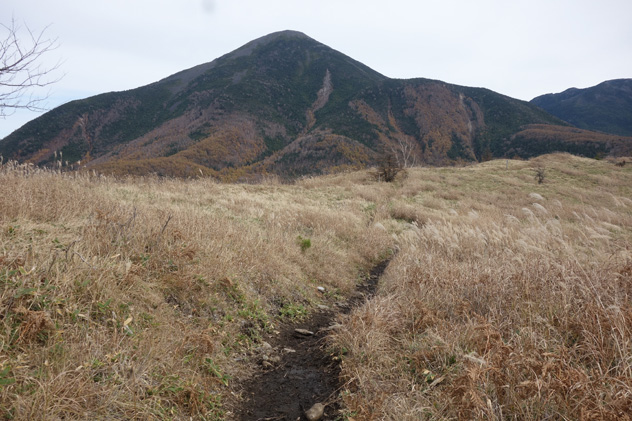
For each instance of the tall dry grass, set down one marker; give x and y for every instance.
(511, 301)
(141, 298)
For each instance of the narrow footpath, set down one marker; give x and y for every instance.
(298, 378)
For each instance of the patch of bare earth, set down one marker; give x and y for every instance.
(296, 370)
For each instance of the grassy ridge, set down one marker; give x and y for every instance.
(511, 301)
(142, 298)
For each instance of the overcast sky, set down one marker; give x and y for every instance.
(520, 48)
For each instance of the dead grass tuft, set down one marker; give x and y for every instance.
(33, 325)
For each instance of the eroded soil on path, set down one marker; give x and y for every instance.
(296, 369)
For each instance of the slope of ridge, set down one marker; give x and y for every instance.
(281, 104)
(606, 107)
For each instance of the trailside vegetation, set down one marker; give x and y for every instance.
(146, 297)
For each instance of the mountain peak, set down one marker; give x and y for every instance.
(286, 104)
(248, 48)
(285, 33)
(187, 75)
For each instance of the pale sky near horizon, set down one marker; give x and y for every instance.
(519, 48)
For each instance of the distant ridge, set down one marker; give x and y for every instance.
(606, 107)
(289, 105)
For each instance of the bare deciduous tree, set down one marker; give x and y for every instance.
(395, 158)
(21, 68)
(404, 151)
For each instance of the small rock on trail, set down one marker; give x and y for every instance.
(316, 412)
(304, 332)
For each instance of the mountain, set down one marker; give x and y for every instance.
(606, 107)
(284, 104)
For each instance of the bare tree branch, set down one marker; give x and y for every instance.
(21, 70)
(404, 151)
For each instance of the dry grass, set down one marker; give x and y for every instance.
(141, 298)
(512, 301)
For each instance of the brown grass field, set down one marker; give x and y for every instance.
(142, 298)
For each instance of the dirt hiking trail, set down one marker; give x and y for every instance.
(296, 371)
